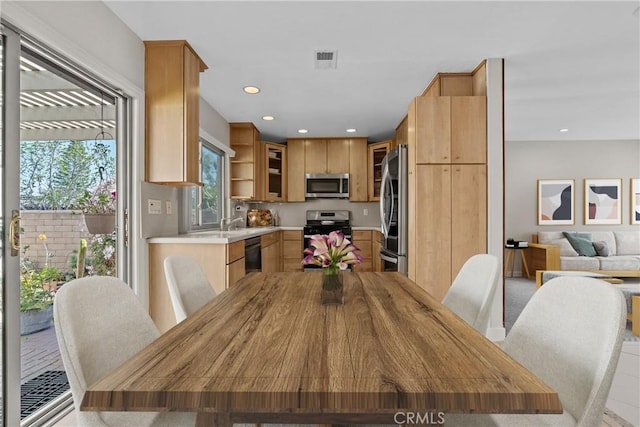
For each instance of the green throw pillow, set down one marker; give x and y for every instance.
(581, 242)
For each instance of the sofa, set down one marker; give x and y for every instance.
(619, 254)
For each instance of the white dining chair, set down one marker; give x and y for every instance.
(569, 335)
(471, 293)
(189, 288)
(99, 325)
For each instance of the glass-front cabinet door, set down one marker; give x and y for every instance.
(275, 172)
(377, 152)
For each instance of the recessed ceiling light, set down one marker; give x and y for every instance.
(251, 89)
(302, 131)
(564, 130)
(352, 130)
(268, 118)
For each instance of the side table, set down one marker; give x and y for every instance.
(510, 259)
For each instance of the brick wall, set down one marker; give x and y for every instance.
(63, 229)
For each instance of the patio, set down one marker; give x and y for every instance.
(39, 354)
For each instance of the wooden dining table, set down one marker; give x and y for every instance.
(267, 351)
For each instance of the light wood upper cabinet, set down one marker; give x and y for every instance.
(377, 153)
(358, 191)
(246, 166)
(295, 170)
(275, 172)
(315, 156)
(326, 155)
(451, 129)
(338, 155)
(402, 133)
(172, 105)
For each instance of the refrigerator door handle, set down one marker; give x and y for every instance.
(388, 258)
(385, 176)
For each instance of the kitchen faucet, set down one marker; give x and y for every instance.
(230, 222)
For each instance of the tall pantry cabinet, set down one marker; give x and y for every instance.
(447, 187)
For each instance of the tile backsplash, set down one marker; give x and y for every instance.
(293, 214)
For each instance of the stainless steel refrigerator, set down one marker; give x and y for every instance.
(393, 210)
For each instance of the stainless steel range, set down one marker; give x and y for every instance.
(324, 222)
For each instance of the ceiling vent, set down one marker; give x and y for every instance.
(326, 59)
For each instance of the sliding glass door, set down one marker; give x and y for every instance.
(64, 139)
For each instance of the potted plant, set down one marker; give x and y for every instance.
(99, 208)
(37, 289)
(334, 253)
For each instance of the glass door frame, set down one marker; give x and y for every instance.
(10, 201)
(13, 42)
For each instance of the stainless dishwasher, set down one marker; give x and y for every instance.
(252, 255)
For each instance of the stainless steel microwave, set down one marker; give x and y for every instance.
(326, 186)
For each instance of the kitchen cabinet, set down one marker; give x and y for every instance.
(451, 129)
(172, 105)
(459, 84)
(246, 166)
(446, 136)
(292, 250)
(362, 239)
(222, 264)
(274, 172)
(376, 246)
(295, 170)
(326, 155)
(270, 252)
(235, 262)
(358, 188)
(377, 153)
(453, 222)
(402, 133)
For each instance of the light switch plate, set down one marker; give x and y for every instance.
(154, 206)
(168, 207)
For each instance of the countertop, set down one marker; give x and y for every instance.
(224, 237)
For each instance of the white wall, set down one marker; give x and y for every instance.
(213, 123)
(528, 161)
(89, 34)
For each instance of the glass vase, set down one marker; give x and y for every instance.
(332, 287)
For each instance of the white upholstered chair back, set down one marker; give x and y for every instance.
(100, 324)
(189, 288)
(471, 293)
(570, 335)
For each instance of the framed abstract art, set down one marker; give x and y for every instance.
(556, 202)
(635, 200)
(602, 201)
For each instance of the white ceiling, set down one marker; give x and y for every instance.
(572, 65)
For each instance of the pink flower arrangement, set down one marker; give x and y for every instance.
(333, 252)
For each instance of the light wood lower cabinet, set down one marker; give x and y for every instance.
(292, 250)
(362, 239)
(222, 264)
(270, 248)
(376, 246)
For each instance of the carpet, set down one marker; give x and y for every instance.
(519, 290)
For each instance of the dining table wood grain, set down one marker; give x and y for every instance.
(267, 350)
